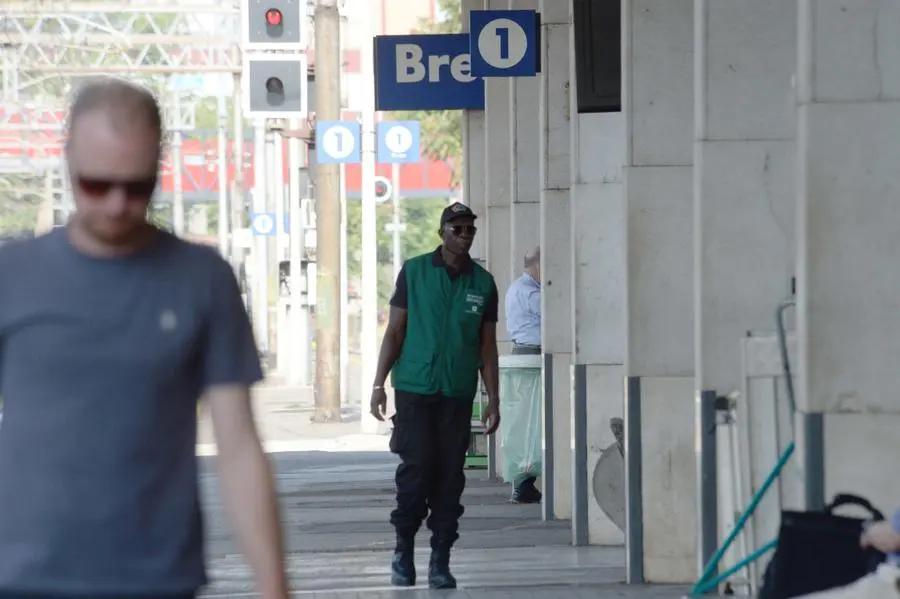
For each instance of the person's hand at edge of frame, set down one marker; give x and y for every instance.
(881, 536)
(378, 404)
(490, 417)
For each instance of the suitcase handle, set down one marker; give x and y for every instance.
(842, 499)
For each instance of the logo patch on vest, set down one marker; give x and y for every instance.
(474, 303)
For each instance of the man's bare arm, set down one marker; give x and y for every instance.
(490, 361)
(248, 487)
(391, 345)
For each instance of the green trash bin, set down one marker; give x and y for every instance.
(476, 457)
(521, 422)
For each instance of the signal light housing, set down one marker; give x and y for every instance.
(279, 25)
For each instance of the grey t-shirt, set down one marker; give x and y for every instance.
(101, 365)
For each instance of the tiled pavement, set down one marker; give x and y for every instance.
(335, 505)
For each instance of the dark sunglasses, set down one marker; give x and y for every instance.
(139, 189)
(458, 230)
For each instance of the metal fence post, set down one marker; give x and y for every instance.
(634, 502)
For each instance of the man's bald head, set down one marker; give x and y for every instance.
(113, 153)
(533, 263)
(125, 106)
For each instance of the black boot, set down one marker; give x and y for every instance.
(439, 576)
(403, 566)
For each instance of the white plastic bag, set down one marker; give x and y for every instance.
(520, 410)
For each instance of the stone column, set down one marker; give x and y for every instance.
(849, 225)
(658, 43)
(556, 254)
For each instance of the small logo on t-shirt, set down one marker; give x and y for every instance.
(168, 321)
(474, 303)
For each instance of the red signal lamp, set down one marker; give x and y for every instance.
(274, 17)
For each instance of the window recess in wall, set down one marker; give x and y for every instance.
(598, 55)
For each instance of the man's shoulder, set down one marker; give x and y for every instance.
(514, 287)
(416, 263)
(482, 272)
(198, 256)
(22, 251)
(426, 257)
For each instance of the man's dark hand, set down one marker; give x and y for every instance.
(490, 417)
(378, 405)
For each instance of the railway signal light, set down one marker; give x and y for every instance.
(274, 25)
(275, 86)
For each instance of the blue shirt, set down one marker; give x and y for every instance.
(523, 311)
(895, 557)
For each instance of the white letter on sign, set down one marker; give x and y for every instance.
(461, 68)
(409, 63)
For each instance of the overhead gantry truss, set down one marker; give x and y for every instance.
(154, 37)
(47, 46)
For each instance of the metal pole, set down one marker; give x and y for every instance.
(273, 189)
(548, 505)
(260, 297)
(395, 201)
(277, 170)
(634, 494)
(345, 324)
(177, 185)
(580, 535)
(223, 174)
(707, 487)
(369, 291)
(296, 368)
(237, 158)
(297, 371)
(328, 219)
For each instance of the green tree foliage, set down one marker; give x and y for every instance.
(421, 218)
(208, 113)
(441, 130)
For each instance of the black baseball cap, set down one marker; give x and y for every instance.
(454, 211)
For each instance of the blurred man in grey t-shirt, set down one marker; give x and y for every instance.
(110, 330)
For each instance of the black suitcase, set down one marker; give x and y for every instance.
(818, 551)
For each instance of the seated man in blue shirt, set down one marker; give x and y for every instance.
(523, 324)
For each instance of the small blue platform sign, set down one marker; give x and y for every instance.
(425, 72)
(505, 43)
(263, 224)
(398, 142)
(337, 142)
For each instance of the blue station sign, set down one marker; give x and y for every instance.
(426, 72)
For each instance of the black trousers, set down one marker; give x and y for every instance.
(525, 350)
(431, 435)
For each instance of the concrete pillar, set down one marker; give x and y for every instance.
(598, 329)
(498, 185)
(525, 194)
(744, 157)
(475, 155)
(849, 222)
(658, 44)
(556, 255)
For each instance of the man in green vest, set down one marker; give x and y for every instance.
(441, 332)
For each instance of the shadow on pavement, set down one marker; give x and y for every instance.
(335, 506)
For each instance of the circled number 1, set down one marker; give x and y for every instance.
(503, 34)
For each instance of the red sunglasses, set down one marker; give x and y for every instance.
(140, 189)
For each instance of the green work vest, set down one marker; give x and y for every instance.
(442, 349)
